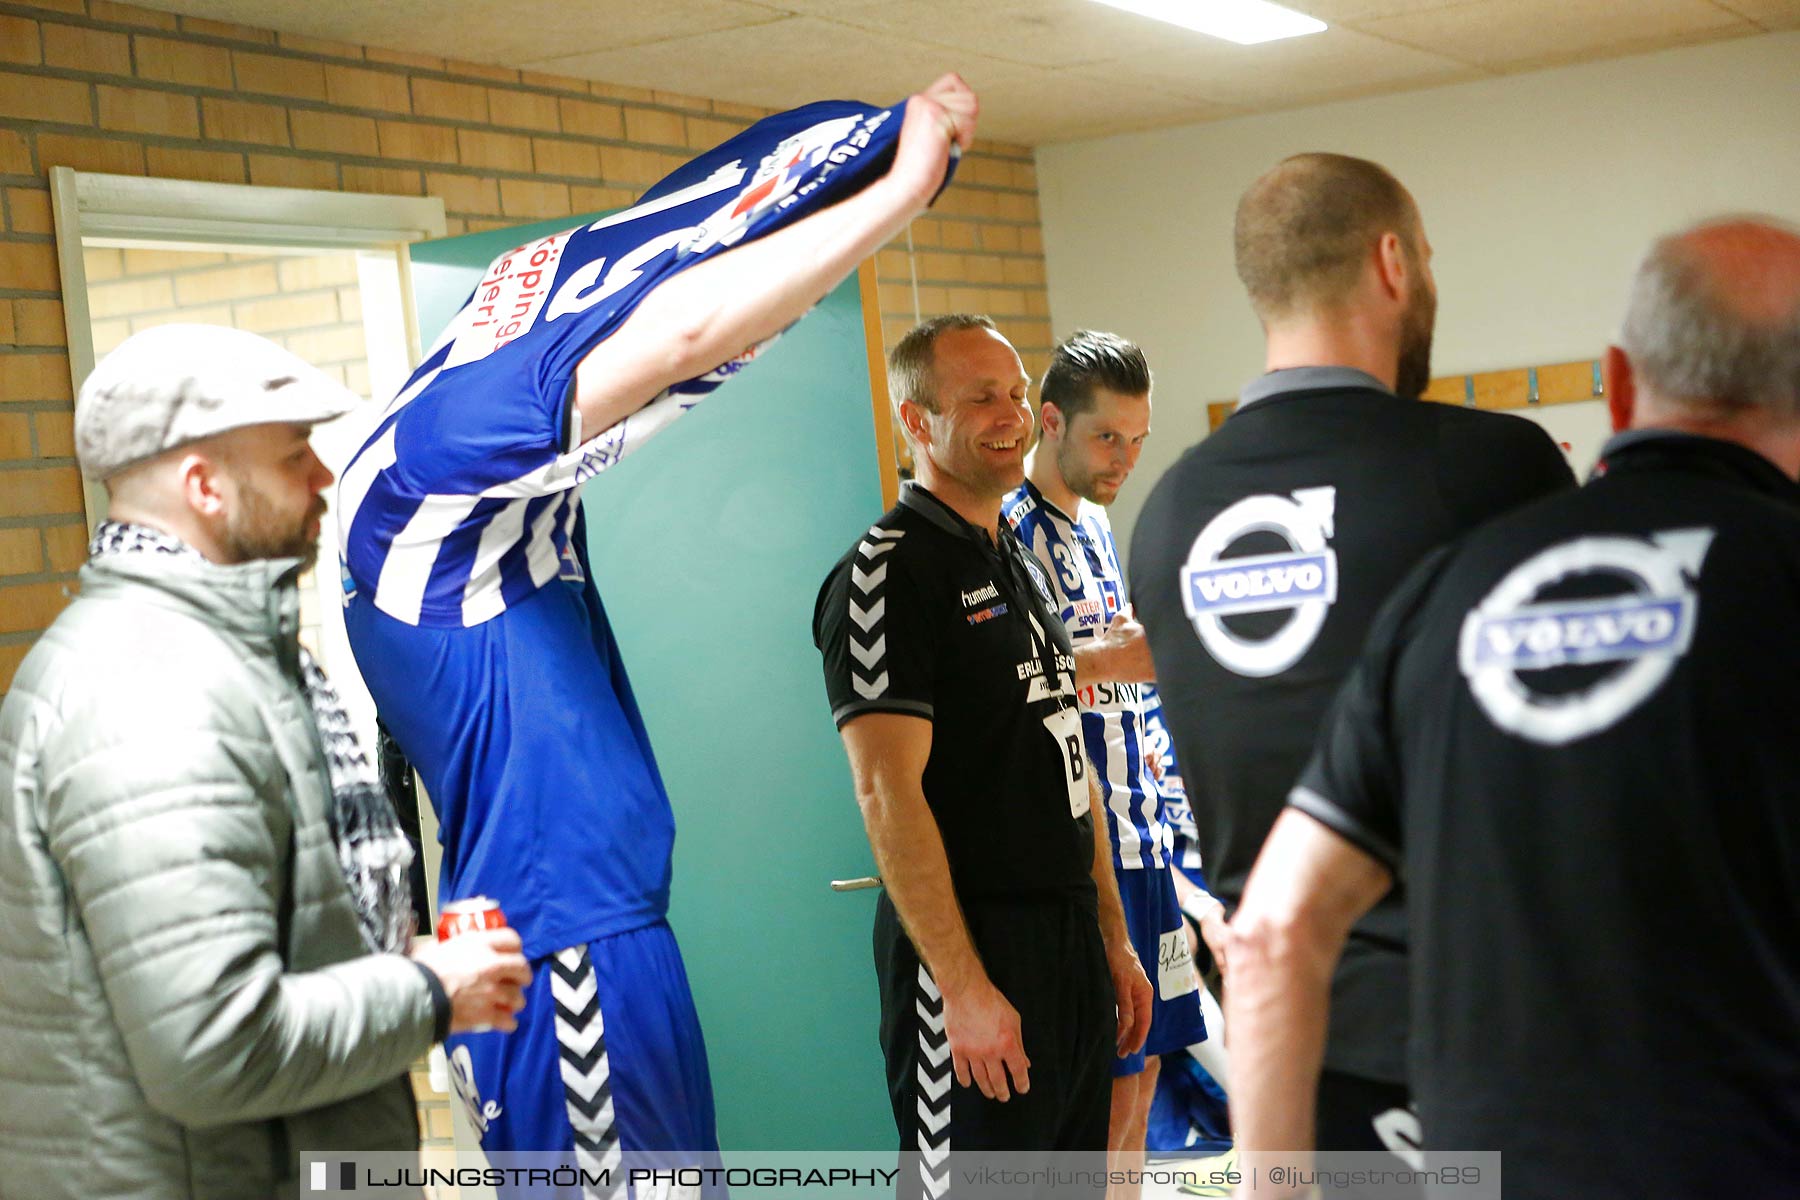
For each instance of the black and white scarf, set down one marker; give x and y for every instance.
(372, 851)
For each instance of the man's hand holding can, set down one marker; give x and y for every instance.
(478, 960)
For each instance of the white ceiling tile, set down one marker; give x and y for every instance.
(1049, 69)
(1770, 14)
(1084, 102)
(1044, 33)
(1512, 34)
(1341, 12)
(1293, 71)
(780, 64)
(480, 30)
(819, 8)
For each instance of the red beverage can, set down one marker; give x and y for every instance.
(467, 916)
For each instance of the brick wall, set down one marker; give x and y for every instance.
(308, 303)
(100, 86)
(436, 1137)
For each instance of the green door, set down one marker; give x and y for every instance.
(708, 546)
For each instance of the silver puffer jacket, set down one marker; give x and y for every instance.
(185, 1001)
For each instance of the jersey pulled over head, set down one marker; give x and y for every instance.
(463, 501)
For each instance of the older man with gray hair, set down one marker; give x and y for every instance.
(1572, 736)
(204, 913)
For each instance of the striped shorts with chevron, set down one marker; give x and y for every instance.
(1046, 957)
(608, 1058)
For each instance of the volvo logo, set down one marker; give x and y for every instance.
(1646, 628)
(1302, 580)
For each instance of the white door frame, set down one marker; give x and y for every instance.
(92, 209)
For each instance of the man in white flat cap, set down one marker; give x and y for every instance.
(205, 917)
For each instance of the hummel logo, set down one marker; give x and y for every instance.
(980, 596)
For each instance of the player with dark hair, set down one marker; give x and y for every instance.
(1093, 420)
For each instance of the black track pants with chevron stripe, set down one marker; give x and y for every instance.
(1046, 957)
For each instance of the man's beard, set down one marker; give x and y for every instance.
(1079, 479)
(256, 529)
(1413, 373)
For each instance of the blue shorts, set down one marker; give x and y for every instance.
(607, 1058)
(1154, 918)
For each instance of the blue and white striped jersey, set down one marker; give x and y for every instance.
(1181, 840)
(1088, 587)
(484, 643)
(463, 501)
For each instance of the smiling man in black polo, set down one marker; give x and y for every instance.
(1000, 944)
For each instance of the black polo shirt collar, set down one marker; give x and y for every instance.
(1646, 449)
(915, 496)
(1307, 379)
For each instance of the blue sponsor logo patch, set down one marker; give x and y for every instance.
(1584, 631)
(1261, 583)
(986, 614)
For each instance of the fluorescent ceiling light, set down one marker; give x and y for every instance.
(1245, 22)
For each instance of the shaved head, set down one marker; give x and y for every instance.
(1713, 323)
(1306, 228)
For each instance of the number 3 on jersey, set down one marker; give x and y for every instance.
(1065, 730)
(1066, 570)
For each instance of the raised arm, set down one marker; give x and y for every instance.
(888, 752)
(710, 314)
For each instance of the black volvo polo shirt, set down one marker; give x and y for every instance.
(926, 616)
(1573, 735)
(1257, 565)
